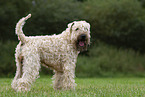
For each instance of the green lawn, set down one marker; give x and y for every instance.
(86, 87)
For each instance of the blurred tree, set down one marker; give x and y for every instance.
(118, 22)
(10, 12)
(52, 16)
(142, 3)
(47, 16)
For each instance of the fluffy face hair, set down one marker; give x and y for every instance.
(80, 34)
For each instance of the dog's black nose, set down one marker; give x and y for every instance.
(83, 36)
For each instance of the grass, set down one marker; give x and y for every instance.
(87, 87)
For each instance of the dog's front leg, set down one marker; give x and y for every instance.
(69, 78)
(57, 83)
(65, 80)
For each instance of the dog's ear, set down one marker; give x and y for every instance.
(86, 25)
(70, 26)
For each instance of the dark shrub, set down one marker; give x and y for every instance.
(51, 16)
(7, 59)
(118, 22)
(108, 61)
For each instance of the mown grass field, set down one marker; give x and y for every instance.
(86, 87)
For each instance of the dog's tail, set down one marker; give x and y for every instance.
(19, 27)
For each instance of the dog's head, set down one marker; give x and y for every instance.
(80, 34)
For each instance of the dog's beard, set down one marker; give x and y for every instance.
(82, 43)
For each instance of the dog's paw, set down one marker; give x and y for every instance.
(22, 86)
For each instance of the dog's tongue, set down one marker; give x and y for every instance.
(81, 43)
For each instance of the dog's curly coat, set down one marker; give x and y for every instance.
(58, 52)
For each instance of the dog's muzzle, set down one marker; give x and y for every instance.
(82, 42)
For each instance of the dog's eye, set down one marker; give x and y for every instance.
(77, 29)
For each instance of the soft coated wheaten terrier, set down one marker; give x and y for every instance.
(58, 52)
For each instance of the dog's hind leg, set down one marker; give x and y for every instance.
(19, 67)
(17, 75)
(31, 66)
(19, 64)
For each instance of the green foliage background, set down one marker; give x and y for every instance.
(117, 30)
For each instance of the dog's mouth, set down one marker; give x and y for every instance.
(82, 43)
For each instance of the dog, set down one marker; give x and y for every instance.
(58, 52)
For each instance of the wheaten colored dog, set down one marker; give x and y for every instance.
(58, 52)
